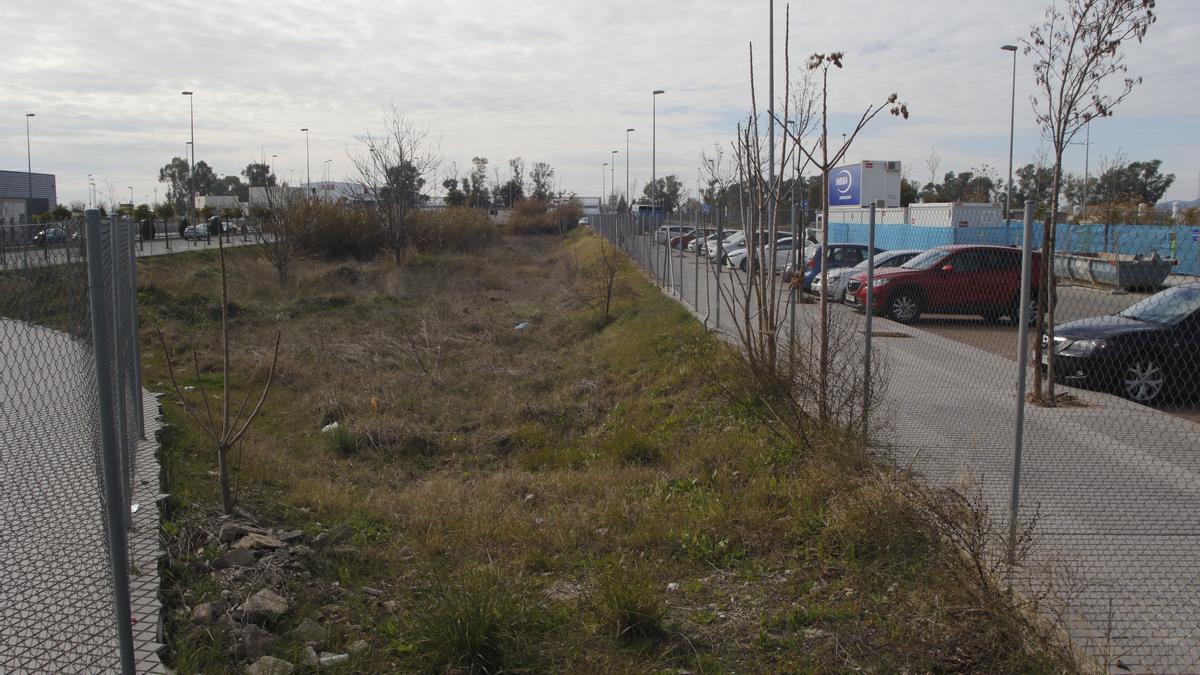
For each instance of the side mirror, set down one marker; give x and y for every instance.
(947, 268)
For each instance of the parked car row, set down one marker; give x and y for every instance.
(1148, 353)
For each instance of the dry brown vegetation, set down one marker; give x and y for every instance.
(569, 496)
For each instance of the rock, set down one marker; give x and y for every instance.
(265, 604)
(373, 592)
(254, 540)
(392, 605)
(269, 665)
(358, 647)
(205, 613)
(254, 642)
(310, 657)
(333, 536)
(310, 631)
(231, 532)
(303, 552)
(291, 536)
(672, 587)
(348, 552)
(332, 426)
(328, 659)
(238, 557)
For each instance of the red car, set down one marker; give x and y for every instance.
(982, 280)
(683, 240)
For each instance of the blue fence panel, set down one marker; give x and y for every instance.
(1123, 239)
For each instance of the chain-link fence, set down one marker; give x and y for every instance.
(70, 422)
(1074, 406)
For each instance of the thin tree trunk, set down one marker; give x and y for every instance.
(223, 473)
(823, 365)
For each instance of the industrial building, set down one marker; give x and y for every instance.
(17, 205)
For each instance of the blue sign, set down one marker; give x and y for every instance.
(845, 185)
(707, 209)
(1195, 236)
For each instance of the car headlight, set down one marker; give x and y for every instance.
(881, 281)
(1082, 347)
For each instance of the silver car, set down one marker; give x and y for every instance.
(840, 276)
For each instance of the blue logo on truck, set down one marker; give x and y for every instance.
(845, 185)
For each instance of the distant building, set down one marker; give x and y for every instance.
(218, 202)
(14, 196)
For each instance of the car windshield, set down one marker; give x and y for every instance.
(1168, 307)
(926, 260)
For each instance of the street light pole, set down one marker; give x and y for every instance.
(654, 154)
(628, 198)
(612, 180)
(603, 189)
(192, 163)
(1012, 119)
(29, 169)
(307, 162)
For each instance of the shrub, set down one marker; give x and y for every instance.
(482, 621)
(337, 231)
(627, 447)
(630, 604)
(537, 216)
(456, 229)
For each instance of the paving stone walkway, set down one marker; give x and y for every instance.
(56, 604)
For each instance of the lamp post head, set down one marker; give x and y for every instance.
(656, 92)
(305, 130)
(186, 93)
(629, 130)
(1009, 48)
(30, 115)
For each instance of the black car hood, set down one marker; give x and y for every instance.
(1100, 327)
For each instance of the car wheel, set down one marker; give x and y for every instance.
(1143, 380)
(905, 307)
(743, 266)
(1014, 311)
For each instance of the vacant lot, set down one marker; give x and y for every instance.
(519, 485)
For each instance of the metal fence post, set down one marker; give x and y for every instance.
(1022, 367)
(870, 314)
(135, 368)
(116, 513)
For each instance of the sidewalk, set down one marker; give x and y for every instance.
(1115, 486)
(56, 603)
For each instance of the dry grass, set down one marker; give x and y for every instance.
(561, 475)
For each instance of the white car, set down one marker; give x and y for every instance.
(839, 276)
(666, 233)
(739, 258)
(584, 222)
(195, 232)
(732, 242)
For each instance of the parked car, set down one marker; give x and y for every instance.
(734, 240)
(195, 232)
(1146, 353)
(740, 258)
(698, 239)
(665, 233)
(682, 239)
(50, 236)
(584, 222)
(981, 280)
(839, 277)
(840, 255)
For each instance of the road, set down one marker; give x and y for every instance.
(1114, 486)
(51, 255)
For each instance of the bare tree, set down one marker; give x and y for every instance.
(280, 220)
(1076, 48)
(393, 172)
(226, 431)
(821, 63)
(932, 163)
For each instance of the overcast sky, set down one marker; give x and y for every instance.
(548, 80)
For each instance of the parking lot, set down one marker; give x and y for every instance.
(1112, 485)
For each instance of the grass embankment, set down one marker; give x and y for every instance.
(559, 498)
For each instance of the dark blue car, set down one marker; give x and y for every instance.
(840, 255)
